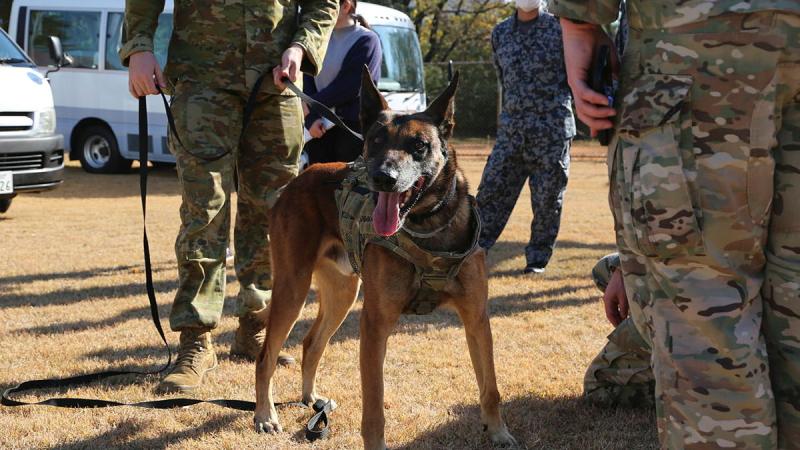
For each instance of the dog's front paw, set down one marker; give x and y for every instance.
(310, 399)
(503, 439)
(267, 425)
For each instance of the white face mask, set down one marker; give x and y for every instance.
(528, 5)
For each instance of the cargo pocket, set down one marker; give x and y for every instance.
(655, 121)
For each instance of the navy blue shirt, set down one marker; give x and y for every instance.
(342, 91)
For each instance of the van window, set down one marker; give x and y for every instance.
(114, 36)
(79, 32)
(401, 68)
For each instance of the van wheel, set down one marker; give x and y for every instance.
(98, 151)
(5, 203)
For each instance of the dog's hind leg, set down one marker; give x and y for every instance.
(337, 293)
(473, 310)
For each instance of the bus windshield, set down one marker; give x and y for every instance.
(401, 69)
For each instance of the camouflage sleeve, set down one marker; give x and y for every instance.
(141, 20)
(317, 18)
(601, 273)
(599, 12)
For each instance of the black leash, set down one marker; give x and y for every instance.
(318, 425)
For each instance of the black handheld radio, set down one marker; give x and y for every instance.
(602, 81)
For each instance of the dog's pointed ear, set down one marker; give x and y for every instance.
(441, 110)
(372, 102)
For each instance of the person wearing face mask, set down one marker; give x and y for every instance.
(353, 45)
(535, 130)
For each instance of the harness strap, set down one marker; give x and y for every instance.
(318, 425)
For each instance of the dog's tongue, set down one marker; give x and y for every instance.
(386, 216)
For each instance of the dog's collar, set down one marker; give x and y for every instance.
(437, 207)
(450, 194)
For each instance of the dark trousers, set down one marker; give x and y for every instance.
(337, 144)
(515, 159)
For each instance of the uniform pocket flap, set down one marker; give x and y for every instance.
(654, 100)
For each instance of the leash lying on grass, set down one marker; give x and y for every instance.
(318, 425)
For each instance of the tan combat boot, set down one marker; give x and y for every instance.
(195, 357)
(250, 338)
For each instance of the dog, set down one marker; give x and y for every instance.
(416, 185)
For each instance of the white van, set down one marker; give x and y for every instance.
(31, 152)
(97, 115)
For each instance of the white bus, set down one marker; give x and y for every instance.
(97, 115)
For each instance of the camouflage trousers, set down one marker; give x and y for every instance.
(209, 122)
(705, 190)
(620, 375)
(518, 156)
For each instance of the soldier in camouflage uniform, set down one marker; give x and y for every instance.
(534, 134)
(217, 51)
(620, 375)
(705, 191)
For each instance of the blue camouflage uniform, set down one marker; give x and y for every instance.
(534, 135)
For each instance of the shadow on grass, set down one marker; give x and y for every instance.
(162, 181)
(505, 250)
(123, 434)
(409, 324)
(83, 274)
(551, 423)
(138, 312)
(70, 296)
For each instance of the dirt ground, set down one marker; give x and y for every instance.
(72, 301)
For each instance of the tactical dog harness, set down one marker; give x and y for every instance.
(433, 270)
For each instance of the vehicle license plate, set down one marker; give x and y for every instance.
(6, 183)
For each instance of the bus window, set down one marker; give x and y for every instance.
(401, 68)
(79, 33)
(114, 39)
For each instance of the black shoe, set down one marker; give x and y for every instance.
(533, 268)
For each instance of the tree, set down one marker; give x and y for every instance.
(454, 29)
(5, 13)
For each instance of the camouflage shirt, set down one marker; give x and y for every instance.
(230, 42)
(529, 59)
(653, 14)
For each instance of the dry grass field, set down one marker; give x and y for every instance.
(72, 301)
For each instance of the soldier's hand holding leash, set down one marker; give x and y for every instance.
(290, 66)
(580, 42)
(143, 73)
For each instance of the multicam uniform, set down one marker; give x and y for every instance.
(620, 375)
(217, 51)
(705, 190)
(533, 139)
